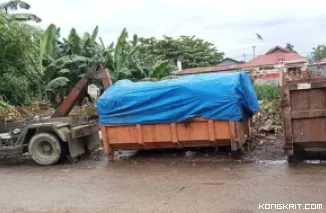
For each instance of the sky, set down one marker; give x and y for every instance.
(230, 24)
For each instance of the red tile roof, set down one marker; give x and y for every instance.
(272, 57)
(277, 49)
(218, 68)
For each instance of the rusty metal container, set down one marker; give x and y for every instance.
(303, 104)
(197, 132)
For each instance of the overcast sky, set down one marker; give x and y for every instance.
(230, 24)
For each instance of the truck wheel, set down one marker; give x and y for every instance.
(291, 159)
(45, 149)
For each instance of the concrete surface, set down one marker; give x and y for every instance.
(158, 186)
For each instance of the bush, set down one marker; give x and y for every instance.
(268, 92)
(19, 60)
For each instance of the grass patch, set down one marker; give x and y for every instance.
(268, 92)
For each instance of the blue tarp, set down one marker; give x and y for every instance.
(220, 96)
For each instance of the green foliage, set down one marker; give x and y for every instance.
(47, 42)
(19, 56)
(160, 70)
(38, 63)
(15, 89)
(71, 58)
(57, 83)
(119, 48)
(270, 108)
(194, 52)
(290, 47)
(268, 92)
(319, 52)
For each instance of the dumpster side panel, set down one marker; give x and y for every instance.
(196, 132)
(308, 120)
(309, 130)
(156, 133)
(304, 114)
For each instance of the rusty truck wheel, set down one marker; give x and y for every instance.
(45, 149)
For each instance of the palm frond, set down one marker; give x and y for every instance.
(85, 42)
(135, 40)
(47, 40)
(131, 54)
(111, 45)
(122, 40)
(66, 60)
(94, 34)
(57, 83)
(160, 70)
(86, 36)
(123, 73)
(74, 41)
(102, 43)
(63, 71)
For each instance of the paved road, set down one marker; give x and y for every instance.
(158, 186)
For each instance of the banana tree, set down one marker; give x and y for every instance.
(48, 48)
(160, 71)
(121, 58)
(73, 57)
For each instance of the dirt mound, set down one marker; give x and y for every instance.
(266, 133)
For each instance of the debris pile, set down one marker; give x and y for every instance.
(39, 108)
(83, 110)
(267, 120)
(266, 133)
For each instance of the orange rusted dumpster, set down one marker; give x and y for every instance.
(197, 132)
(303, 113)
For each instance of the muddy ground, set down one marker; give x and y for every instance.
(186, 181)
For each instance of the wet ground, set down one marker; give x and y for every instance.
(161, 181)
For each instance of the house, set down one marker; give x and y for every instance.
(229, 61)
(275, 56)
(226, 65)
(318, 68)
(263, 68)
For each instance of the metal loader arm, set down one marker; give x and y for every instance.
(78, 92)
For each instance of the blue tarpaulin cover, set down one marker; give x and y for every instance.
(218, 96)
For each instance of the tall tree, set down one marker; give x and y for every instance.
(194, 52)
(319, 52)
(290, 47)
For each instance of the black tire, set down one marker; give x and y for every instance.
(45, 149)
(236, 155)
(291, 159)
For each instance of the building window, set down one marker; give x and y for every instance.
(293, 69)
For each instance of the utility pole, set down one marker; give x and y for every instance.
(244, 57)
(254, 51)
